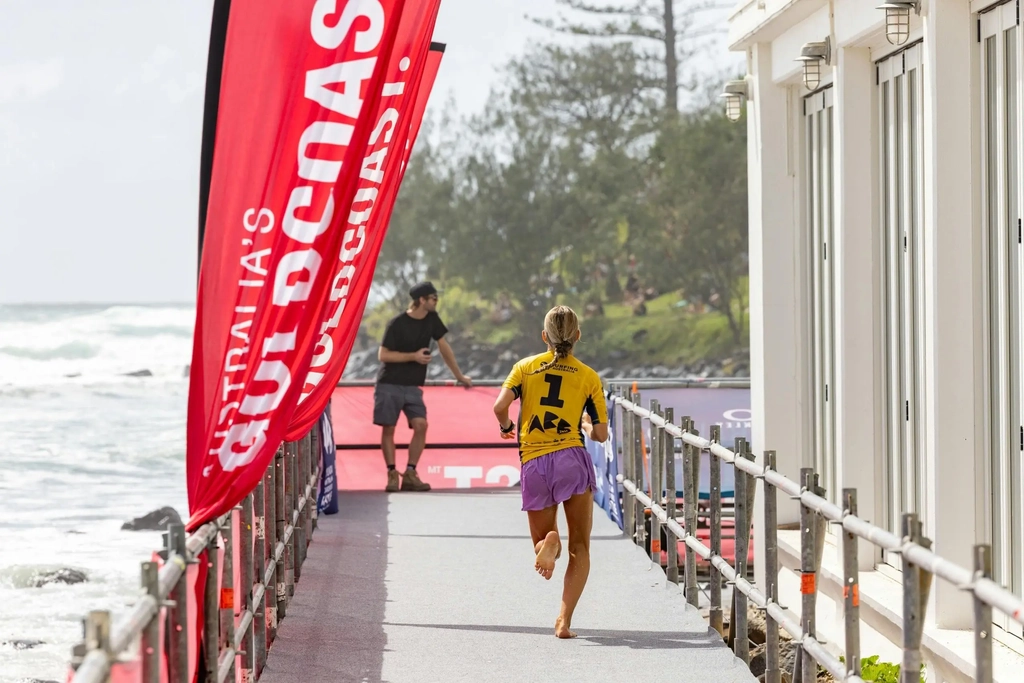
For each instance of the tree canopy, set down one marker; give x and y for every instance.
(573, 186)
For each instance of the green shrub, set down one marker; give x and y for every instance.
(881, 672)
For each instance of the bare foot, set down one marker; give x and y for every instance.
(547, 555)
(562, 629)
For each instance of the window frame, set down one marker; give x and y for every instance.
(900, 98)
(1003, 287)
(819, 139)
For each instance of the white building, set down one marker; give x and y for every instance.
(887, 272)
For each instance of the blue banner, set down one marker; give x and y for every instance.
(606, 470)
(327, 498)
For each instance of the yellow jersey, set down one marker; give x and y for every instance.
(552, 403)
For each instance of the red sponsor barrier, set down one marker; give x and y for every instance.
(704, 536)
(461, 422)
(454, 414)
(441, 468)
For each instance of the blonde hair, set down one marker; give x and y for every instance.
(561, 325)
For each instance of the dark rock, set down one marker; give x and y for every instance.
(63, 575)
(73, 375)
(154, 521)
(36, 680)
(757, 661)
(22, 644)
(139, 373)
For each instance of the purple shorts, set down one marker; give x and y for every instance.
(556, 477)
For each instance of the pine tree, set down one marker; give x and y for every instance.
(676, 26)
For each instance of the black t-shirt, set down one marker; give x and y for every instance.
(406, 334)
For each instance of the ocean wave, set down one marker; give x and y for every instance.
(69, 351)
(8, 391)
(185, 332)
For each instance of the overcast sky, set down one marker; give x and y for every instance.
(100, 124)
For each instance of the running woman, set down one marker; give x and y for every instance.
(561, 399)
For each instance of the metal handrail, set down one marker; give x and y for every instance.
(276, 560)
(677, 383)
(920, 564)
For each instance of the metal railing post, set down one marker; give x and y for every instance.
(227, 590)
(695, 478)
(178, 657)
(211, 613)
(851, 589)
(626, 465)
(97, 635)
(655, 478)
(291, 489)
(299, 491)
(669, 450)
(281, 513)
(805, 668)
(820, 527)
(639, 533)
(301, 481)
(772, 673)
(151, 634)
(915, 593)
(739, 638)
(715, 500)
(307, 486)
(314, 469)
(982, 618)
(259, 555)
(270, 489)
(150, 645)
(690, 495)
(245, 553)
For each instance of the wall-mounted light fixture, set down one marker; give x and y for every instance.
(897, 19)
(812, 55)
(735, 95)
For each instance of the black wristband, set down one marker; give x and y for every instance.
(511, 426)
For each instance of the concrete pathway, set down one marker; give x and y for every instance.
(440, 587)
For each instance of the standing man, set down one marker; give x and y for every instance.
(404, 355)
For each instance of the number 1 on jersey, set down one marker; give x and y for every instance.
(554, 387)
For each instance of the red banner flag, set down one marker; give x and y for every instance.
(299, 84)
(400, 112)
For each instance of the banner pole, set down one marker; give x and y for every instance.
(211, 107)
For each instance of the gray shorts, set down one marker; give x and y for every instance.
(391, 399)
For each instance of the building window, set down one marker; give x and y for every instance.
(1001, 200)
(821, 223)
(901, 92)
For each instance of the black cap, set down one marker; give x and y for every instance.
(422, 289)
